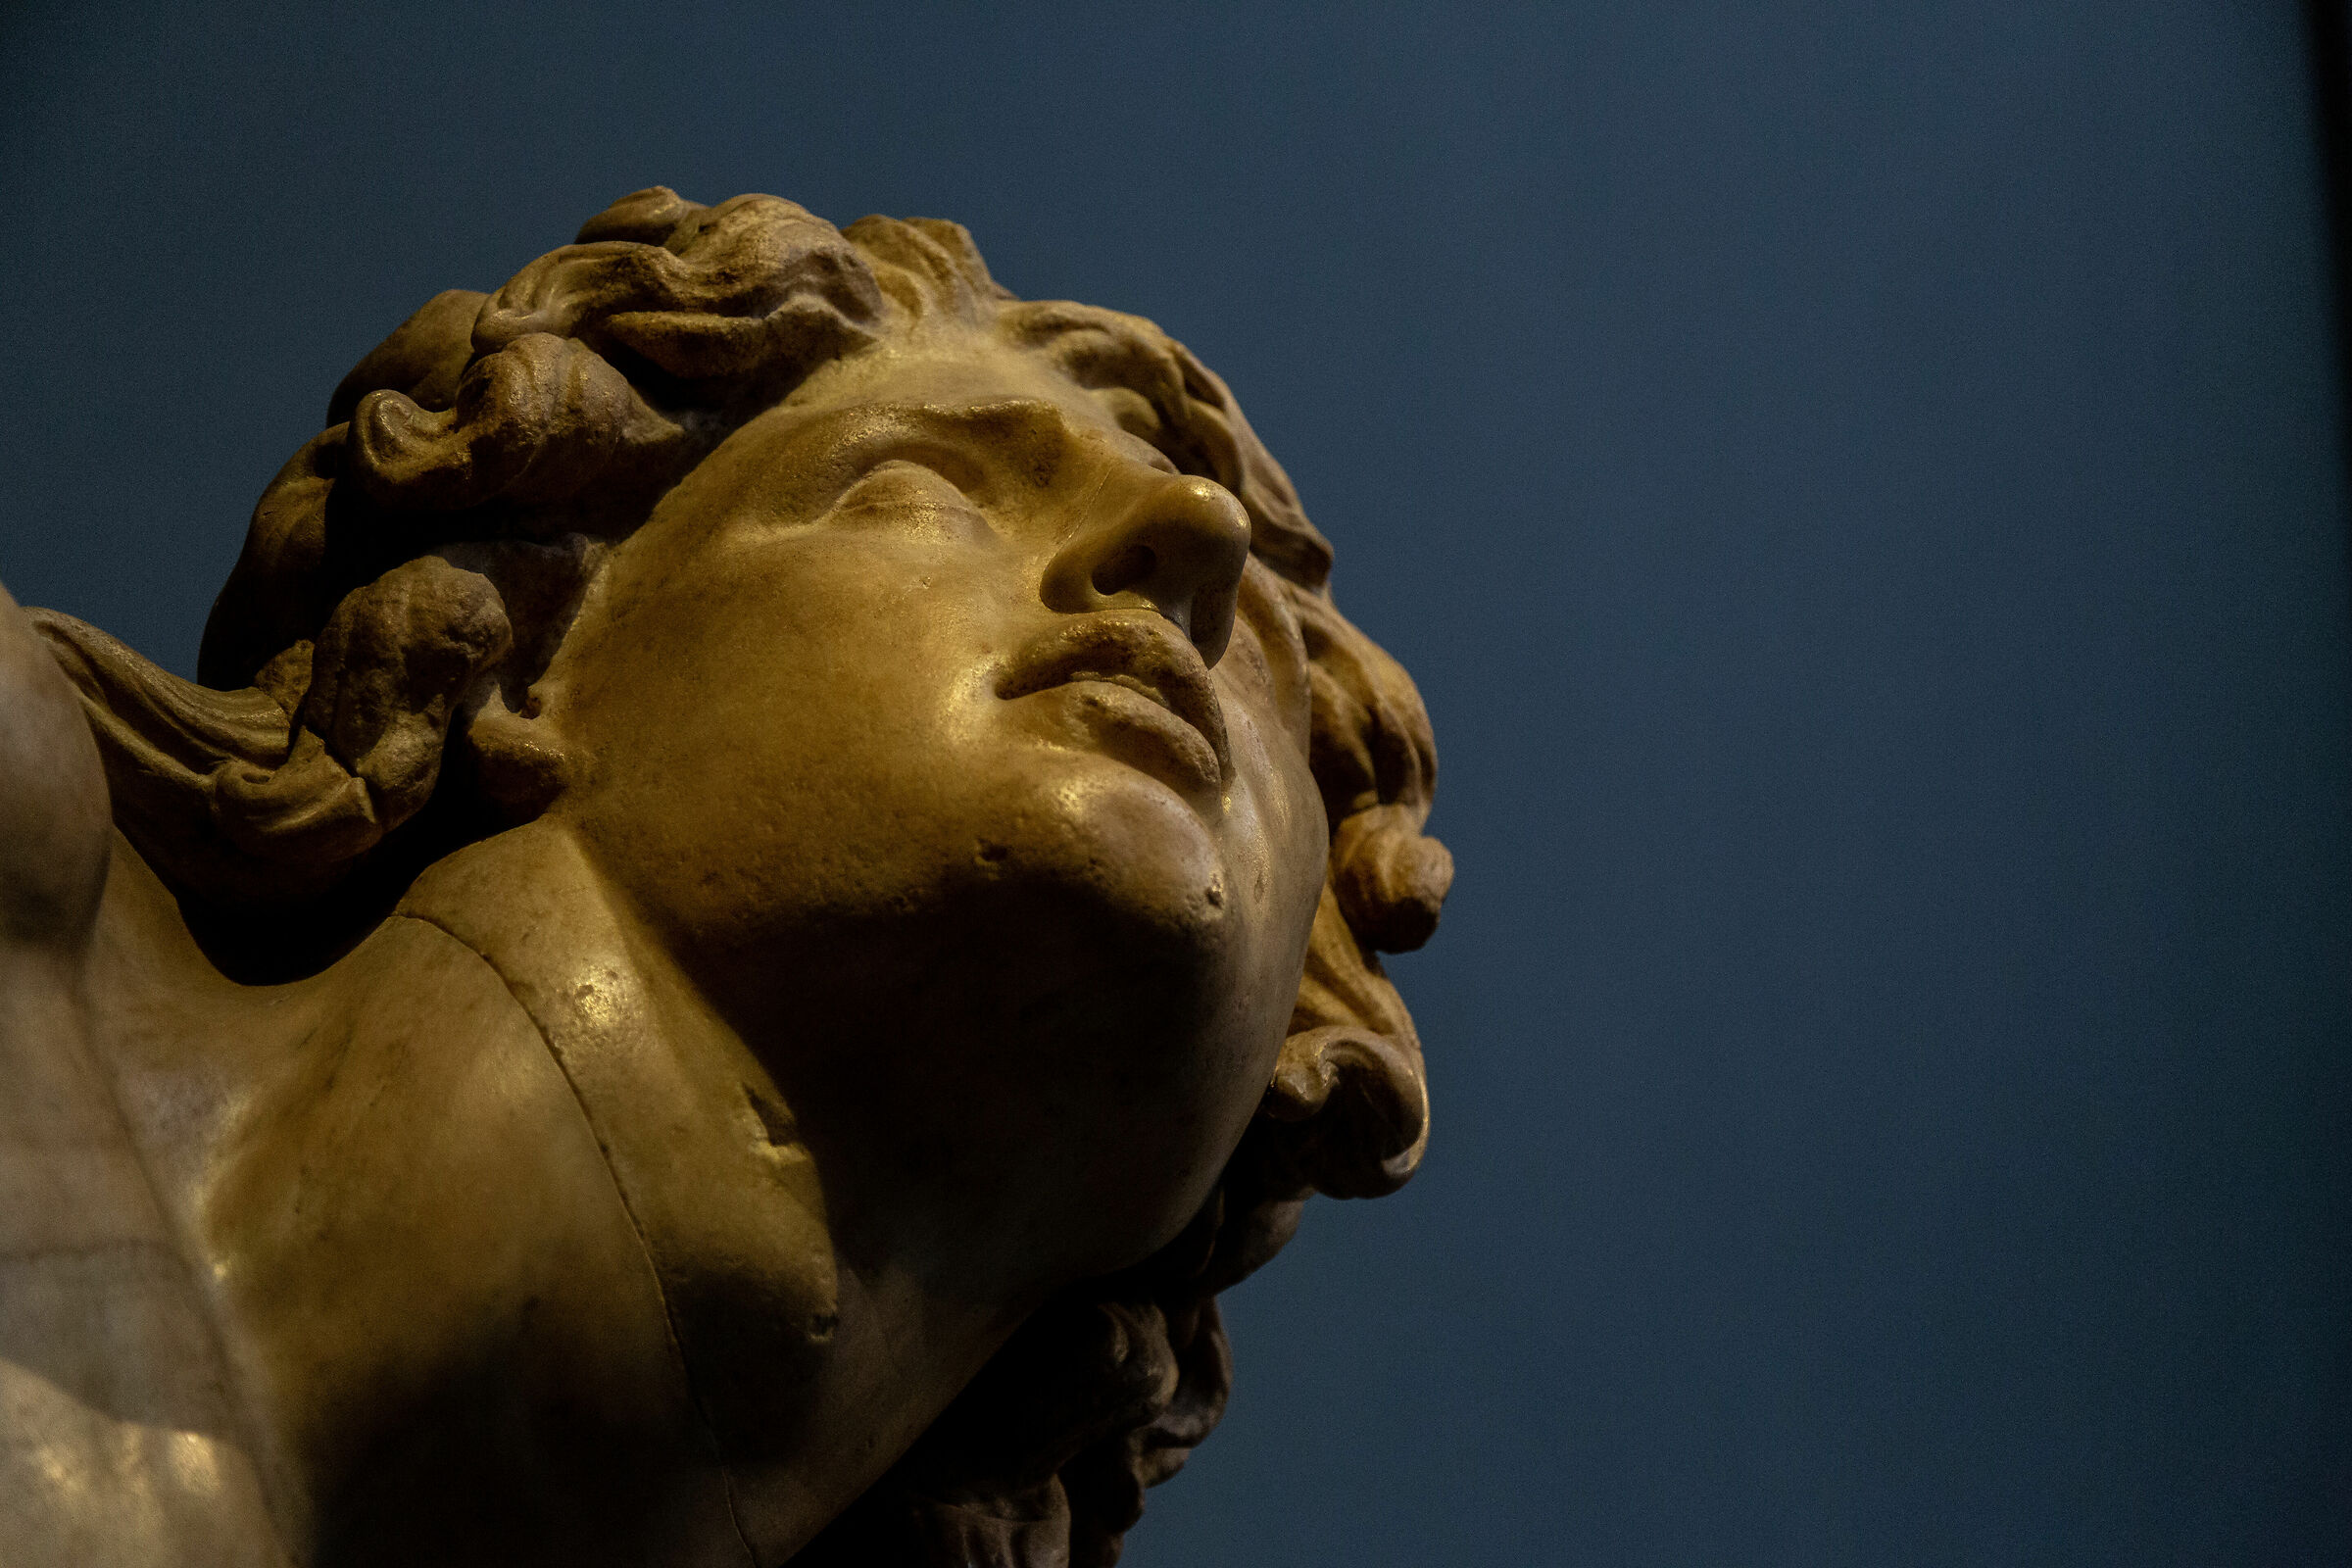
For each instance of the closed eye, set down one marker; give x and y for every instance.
(909, 496)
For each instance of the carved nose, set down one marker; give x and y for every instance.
(1179, 546)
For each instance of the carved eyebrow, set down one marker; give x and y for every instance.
(1029, 435)
(1034, 418)
(1023, 436)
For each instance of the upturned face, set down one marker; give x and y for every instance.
(952, 741)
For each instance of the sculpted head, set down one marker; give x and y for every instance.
(947, 684)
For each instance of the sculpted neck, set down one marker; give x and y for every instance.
(703, 1150)
(812, 1375)
(501, 1177)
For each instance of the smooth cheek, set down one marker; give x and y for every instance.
(1276, 833)
(1275, 849)
(1270, 853)
(775, 732)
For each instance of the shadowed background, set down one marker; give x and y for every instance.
(1861, 489)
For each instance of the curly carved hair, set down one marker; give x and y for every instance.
(425, 554)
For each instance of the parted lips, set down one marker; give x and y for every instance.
(1139, 650)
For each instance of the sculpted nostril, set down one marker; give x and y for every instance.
(1177, 543)
(1123, 571)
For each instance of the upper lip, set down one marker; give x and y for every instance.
(1139, 650)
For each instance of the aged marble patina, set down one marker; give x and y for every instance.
(770, 886)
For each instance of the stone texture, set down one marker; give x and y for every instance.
(772, 883)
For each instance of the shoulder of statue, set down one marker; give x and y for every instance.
(119, 1444)
(55, 822)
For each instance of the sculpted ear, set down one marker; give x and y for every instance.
(513, 749)
(519, 762)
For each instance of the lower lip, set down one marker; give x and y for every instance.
(1142, 733)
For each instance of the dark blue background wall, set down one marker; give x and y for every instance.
(1859, 485)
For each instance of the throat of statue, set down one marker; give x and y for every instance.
(509, 1244)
